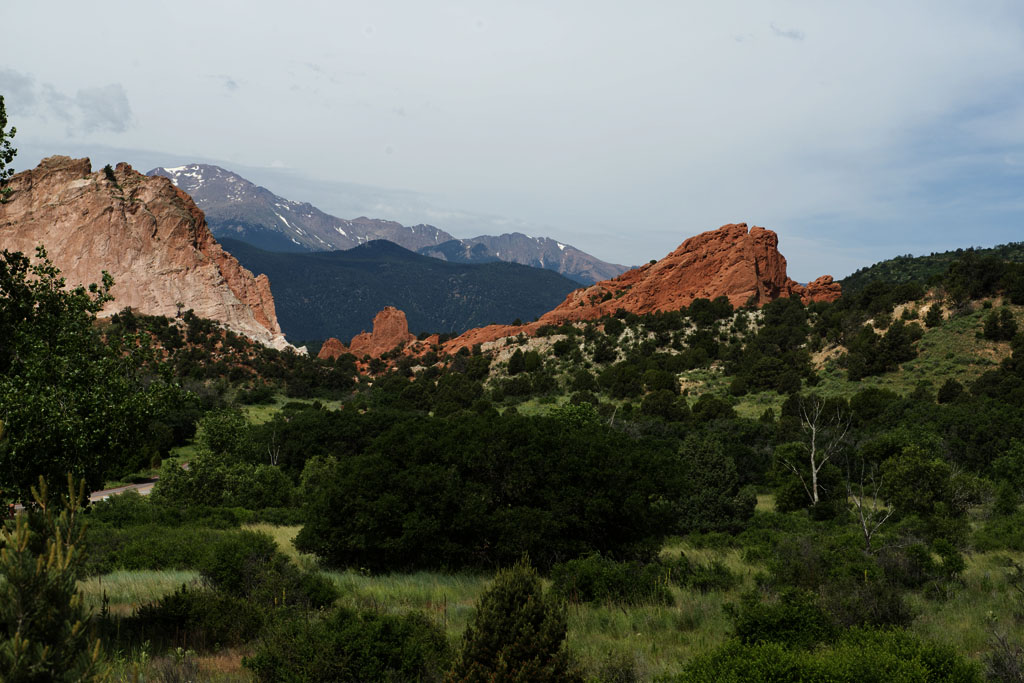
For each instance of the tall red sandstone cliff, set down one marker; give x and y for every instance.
(741, 264)
(146, 233)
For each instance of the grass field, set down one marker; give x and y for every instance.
(264, 412)
(647, 640)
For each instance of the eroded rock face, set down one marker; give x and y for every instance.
(390, 329)
(741, 264)
(332, 349)
(146, 233)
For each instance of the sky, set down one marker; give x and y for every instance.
(857, 131)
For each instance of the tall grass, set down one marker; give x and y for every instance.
(448, 599)
(982, 603)
(126, 590)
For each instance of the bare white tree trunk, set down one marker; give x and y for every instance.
(826, 433)
(871, 515)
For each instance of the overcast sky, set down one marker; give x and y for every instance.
(856, 130)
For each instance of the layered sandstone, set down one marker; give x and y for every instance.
(390, 329)
(146, 233)
(741, 264)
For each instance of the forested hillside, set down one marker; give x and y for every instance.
(337, 293)
(924, 269)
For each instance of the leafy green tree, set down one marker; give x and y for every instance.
(715, 501)
(517, 634)
(919, 483)
(7, 152)
(71, 401)
(44, 625)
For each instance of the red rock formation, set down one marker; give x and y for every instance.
(822, 289)
(743, 265)
(331, 349)
(146, 233)
(390, 329)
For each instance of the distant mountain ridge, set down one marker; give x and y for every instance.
(239, 209)
(338, 293)
(539, 252)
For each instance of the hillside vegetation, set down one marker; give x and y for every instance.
(820, 492)
(907, 268)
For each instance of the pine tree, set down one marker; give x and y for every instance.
(518, 634)
(44, 625)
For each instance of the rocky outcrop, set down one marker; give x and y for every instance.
(741, 264)
(331, 349)
(390, 329)
(149, 235)
(822, 289)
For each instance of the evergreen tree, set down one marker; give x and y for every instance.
(44, 625)
(7, 152)
(516, 363)
(517, 634)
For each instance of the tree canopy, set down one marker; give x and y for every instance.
(70, 402)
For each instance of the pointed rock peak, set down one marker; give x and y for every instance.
(331, 349)
(390, 329)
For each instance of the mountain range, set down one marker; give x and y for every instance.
(239, 209)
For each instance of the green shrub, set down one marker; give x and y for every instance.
(148, 546)
(249, 565)
(1001, 533)
(893, 656)
(131, 509)
(603, 580)
(346, 645)
(713, 576)
(793, 619)
(189, 618)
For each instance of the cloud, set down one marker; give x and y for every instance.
(18, 91)
(89, 110)
(789, 34)
(104, 108)
(229, 83)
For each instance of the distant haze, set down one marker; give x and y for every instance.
(857, 131)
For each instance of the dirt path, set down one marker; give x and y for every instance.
(144, 488)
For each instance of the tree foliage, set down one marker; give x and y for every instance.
(44, 626)
(479, 490)
(7, 152)
(70, 401)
